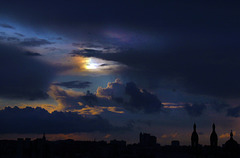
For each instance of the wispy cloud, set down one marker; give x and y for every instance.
(7, 26)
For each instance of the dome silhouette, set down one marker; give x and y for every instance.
(231, 144)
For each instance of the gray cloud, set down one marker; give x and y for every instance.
(141, 99)
(13, 39)
(51, 48)
(73, 84)
(220, 106)
(116, 94)
(233, 112)
(19, 34)
(33, 42)
(70, 100)
(86, 52)
(195, 110)
(28, 53)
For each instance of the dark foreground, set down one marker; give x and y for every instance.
(25, 148)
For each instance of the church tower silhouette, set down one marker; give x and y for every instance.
(213, 137)
(194, 138)
(231, 145)
(44, 137)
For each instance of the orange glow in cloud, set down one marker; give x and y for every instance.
(226, 135)
(100, 90)
(84, 64)
(114, 109)
(173, 105)
(87, 65)
(96, 110)
(54, 90)
(49, 107)
(80, 62)
(81, 108)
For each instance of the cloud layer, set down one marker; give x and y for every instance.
(38, 120)
(115, 95)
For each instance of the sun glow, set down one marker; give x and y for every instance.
(91, 65)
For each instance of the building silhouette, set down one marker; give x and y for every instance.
(231, 145)
(175, 143)
(147, 140)
(213, 137)
(194, 137)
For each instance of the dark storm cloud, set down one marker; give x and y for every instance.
(23, 77)
(169, 22)
(234, 112)
(142, 99)
(151, 14)
(195, 110)
(32, 54)
(74, 84)
(38, 120)
(34, 42)
(7, 26)
(85, 52)
(201, 70)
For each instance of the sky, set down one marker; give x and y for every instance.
(103, 70)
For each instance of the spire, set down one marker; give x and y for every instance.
(213, 137)
(231, 135)
(194, 127)
(194, 137)
(44, 137)
(213, 127)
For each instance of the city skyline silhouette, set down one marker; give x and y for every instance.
(146, 147)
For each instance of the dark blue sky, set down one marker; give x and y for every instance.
(98, 69)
